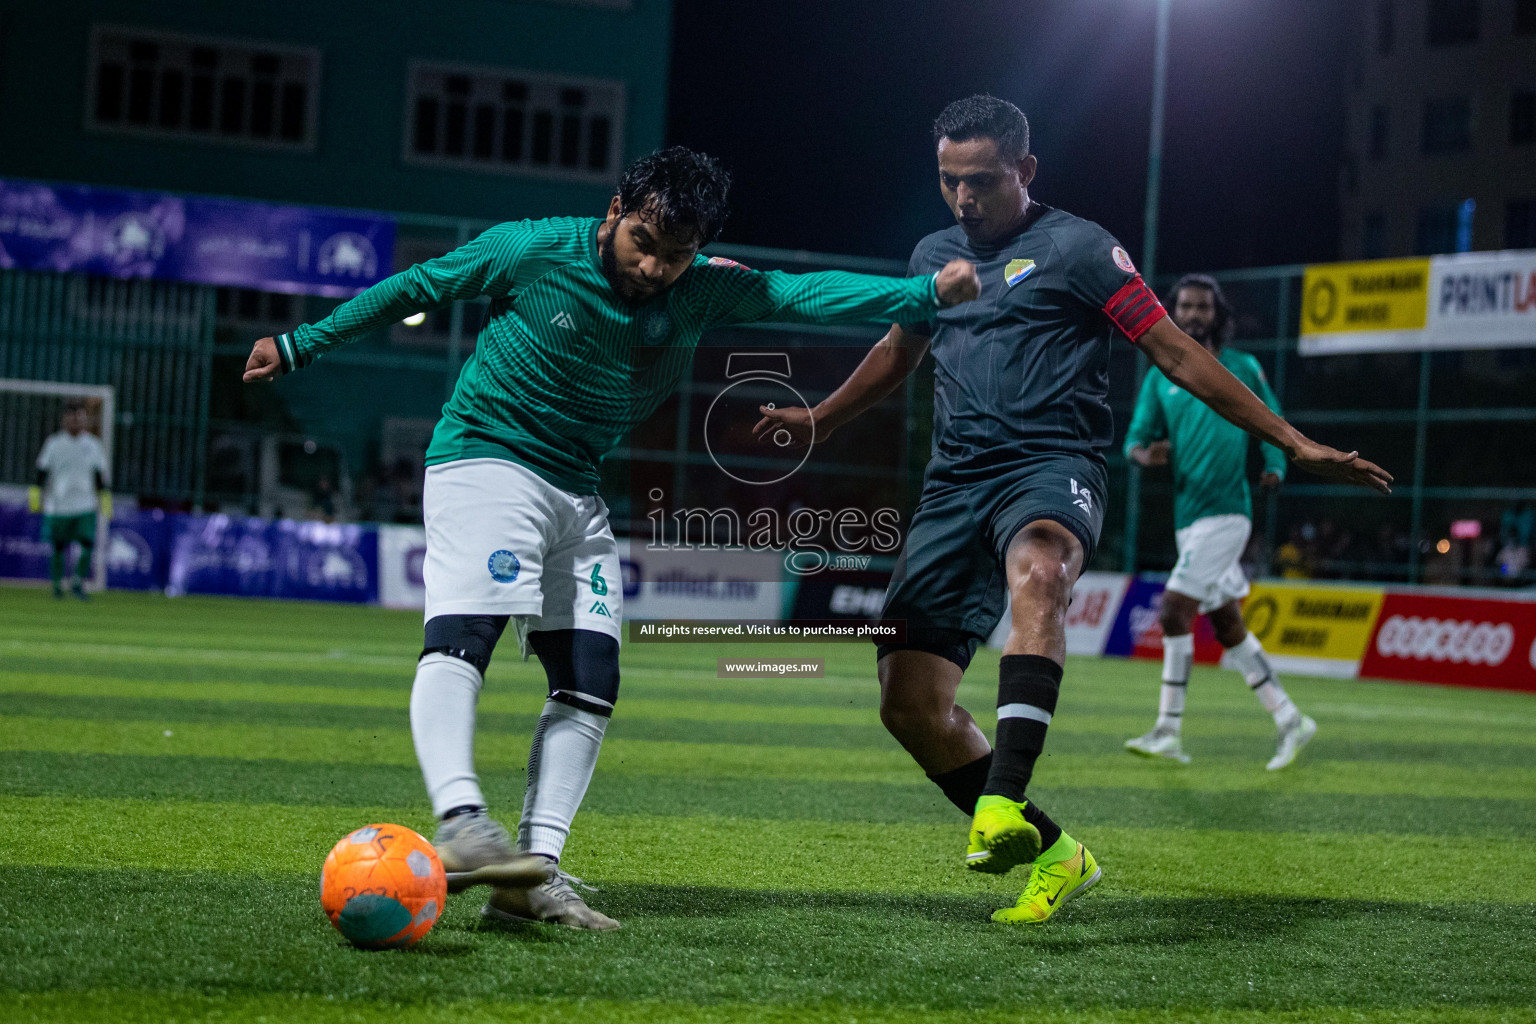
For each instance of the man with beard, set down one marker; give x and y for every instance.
(1212, 513)
(1013, 498)
(592, 323)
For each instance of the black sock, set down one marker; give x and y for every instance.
(1026, 699)
(1048, 829)
(963, 785)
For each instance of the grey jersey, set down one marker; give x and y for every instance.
(1024, 369)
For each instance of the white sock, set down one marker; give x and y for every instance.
(560, 764)
(1249, 658)
(443, 726)
(1178, 656)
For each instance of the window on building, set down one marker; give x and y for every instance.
(1452, 22)
(167, 84)
(1525, 17)
(1522, 118)
(249, 308)
(1386, 27)
(1381, 127)
(1373, 235)
(1520, 224)
(514, 121)
(1447, 125)
(1437, 228)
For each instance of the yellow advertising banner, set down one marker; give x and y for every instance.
(1376, 299)
(1306, 621)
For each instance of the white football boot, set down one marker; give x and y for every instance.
(1159, 743)
(555, 902)
(475, 850)
(1292, 738)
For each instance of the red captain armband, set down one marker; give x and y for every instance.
(1134, 308)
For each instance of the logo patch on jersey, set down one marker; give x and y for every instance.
(721, 261)
(504, 566)
(563, 319)
(1017, 270)
(656, 327)
(598, 608)
(1123, 260)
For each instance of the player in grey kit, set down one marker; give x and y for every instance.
(1012, 499)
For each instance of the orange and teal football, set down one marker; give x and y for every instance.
(383, 887)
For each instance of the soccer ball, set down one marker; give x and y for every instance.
(383, 887)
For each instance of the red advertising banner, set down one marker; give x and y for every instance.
(1454, 640)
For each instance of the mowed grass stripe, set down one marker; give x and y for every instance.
(766, 854)
(136, 1006)
(525, 696)
(227, 780)
(1236, 749)
(508, 751)
(236, 935)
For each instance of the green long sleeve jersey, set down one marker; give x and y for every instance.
(1209, 455)
(564, 367)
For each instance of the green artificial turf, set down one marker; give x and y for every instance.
(172, 773)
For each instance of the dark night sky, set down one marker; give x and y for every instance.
(821, 110)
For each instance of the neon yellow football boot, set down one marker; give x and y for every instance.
(1000, 837)
(1051, 885)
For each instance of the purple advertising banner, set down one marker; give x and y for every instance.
(118, 233)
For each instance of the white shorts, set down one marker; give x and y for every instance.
(501, 540)
(1208, 569)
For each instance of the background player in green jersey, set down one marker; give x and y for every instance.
(1012, 500)
(593, 322)
(71, 485)
(1213, 516)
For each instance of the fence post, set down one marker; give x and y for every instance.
(1282, 350)
(1420, 437)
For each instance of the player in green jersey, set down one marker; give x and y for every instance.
(593, 322)
(1213, 516)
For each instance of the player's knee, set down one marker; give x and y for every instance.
(1041, 586)
(582, 666)
(1174, 620)
(470, 638)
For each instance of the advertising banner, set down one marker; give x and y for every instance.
(138, 550)
(1138, 633)
(121, 233)
(836, 594)
(1311, 629)
(1375, 305)
(242, 557)
(402, 553)
(1455, 640)
(23, 552)
(1096, 602)
(1469, 300)
(695, 584)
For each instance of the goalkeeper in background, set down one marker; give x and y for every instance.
(1213, 517)
(71, 473)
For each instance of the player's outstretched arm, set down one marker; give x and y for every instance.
(1185, 362)
(882, 370)
(486, 265)
(835, 296)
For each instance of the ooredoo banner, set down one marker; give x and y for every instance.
(1455, 640)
